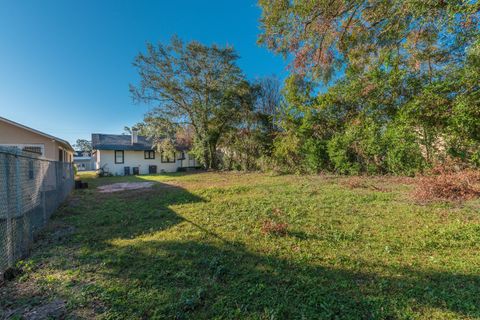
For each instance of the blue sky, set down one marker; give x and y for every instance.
(65, 65)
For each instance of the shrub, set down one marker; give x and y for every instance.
(316, 156)
(359, 149)
(287, 152)
(342, 156)
(403, 155)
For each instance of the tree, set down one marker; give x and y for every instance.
(197, 85)
(268, 107)
(400, 82)
(328, 37)
(140, 127)
(269, 97)
(83, 145)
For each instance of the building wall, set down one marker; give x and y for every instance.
(67, 154)
(11, 135)
(106, 159)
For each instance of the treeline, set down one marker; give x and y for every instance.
(375, 87)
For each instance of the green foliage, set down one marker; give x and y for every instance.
(83, 145)
(401, 83)
(287, 151)
(248, 145)
(403, 155)
(358, 149)
(315, 155)
(342, 155)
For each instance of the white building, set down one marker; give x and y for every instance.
(132, 154)
(83, 160)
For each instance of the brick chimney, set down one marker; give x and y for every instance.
(134, 136)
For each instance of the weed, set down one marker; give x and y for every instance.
(274, 228)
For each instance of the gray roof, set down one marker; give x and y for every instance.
(119, 142)
(123, 142)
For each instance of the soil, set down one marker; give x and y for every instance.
(123, 186)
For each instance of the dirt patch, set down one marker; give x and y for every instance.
(124, 186)
(53, 310)
(369, 183)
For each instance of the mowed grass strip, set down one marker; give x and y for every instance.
(193, 247)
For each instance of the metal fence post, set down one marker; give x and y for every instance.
(19, 207)
(9, 213)
(44, 204)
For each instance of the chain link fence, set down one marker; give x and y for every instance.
(30, 191)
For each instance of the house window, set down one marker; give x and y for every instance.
(181, 156)
(60, 155)
(119, 156)
(33, 149)
(167, 158)
(149, 154)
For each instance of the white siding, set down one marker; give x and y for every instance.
(106, 159)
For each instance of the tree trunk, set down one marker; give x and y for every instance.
(206, 155)
(213, 155)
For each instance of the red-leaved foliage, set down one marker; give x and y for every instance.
(448, 185)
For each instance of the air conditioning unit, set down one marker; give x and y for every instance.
(152, 169)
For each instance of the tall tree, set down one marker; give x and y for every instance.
(193, 84)
(83, 145)
(327, 37)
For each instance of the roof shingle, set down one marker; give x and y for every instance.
(124, 142)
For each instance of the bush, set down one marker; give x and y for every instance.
(358, 150)
(403, 155)
(288, 152)
(342, 156)
(315, 155)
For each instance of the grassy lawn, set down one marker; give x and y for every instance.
(192, 247)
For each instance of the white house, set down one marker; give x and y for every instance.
(83, 160)
(133, 154)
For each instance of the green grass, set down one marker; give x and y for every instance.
(192, 248)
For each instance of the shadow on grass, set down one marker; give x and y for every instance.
(126, 214)
(207, 280)
(100, 181)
